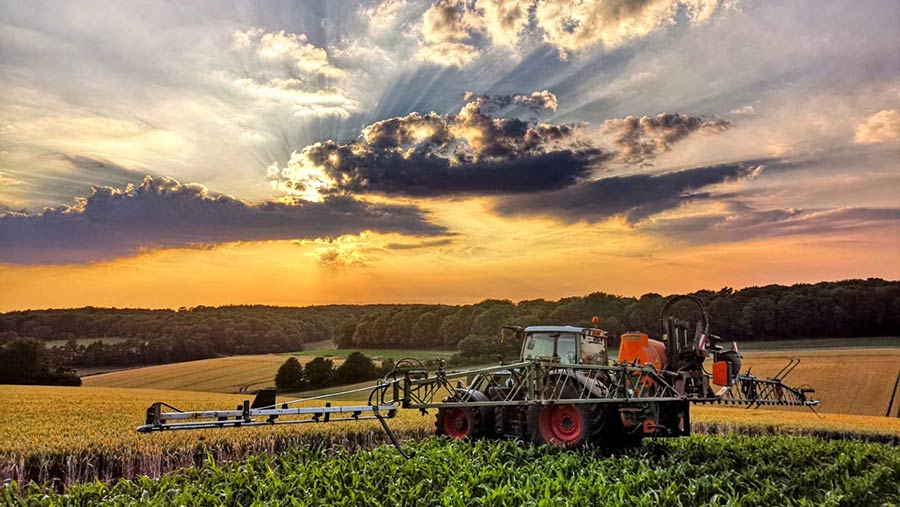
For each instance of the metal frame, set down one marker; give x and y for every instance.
(534, 383)
(639, 392)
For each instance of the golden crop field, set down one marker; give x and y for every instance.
(722, 420)
(49, 432)
(847, 381)
(218, 375)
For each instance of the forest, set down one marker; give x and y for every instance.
(849, 308)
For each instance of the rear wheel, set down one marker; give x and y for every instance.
(459, 423)
(565, 425)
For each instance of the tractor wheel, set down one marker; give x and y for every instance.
(566, 425)
(459, 423)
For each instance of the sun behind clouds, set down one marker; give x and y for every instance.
(445, 151)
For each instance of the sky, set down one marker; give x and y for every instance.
(168, 154)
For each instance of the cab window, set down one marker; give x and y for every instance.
(540, 345)
(565, 347)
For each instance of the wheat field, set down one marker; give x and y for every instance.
(218, 375)
(847, 381)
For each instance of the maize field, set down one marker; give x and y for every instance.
(697, 470)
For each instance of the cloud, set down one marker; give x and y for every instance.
(880, 127)
(572, 25)
(504, 20)
(744, 110)
(535, 101)
(453, 31)
(642, 139)
(163, 213)
(736, 221)
(11, 181)
(285, 70)
(289, 49)
(350, 251)
(421, 244)
(384, 15)
(470, 152)
(447, 31)
(634, 197)
(61, 176)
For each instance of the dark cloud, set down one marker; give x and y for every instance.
(642, 139)
(470, 152)
(535, 101)
(634, 197)
(162, 212)
(740, 222)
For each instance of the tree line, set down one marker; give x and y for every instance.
(848, 308)
(320, 372)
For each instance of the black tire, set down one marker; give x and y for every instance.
(566, 425)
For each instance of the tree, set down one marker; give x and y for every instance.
(356, 368)
(319, 371)
(478, 346)
(290, 376)
(343, 333)
(26, 361)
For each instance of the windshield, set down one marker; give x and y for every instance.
(540, 345)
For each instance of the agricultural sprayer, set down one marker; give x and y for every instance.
(563, 390)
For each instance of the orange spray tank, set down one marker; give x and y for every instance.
(639, 348)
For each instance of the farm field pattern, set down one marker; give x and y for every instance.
(230, 374)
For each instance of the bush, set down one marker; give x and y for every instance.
(356, 368)
(290, 376)
(26, 361)
(319, 372)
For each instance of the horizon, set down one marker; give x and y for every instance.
(442, 152)
(468, 303)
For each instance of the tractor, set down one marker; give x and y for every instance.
(563, 390)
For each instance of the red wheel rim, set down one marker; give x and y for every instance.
(456, 423)
(560, 424)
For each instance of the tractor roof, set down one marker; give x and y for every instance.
(553, 329)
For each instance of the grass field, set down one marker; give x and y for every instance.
(745, 471)
(231, 374)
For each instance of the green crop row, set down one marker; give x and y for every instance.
(699, 470)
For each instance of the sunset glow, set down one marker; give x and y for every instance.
(416, 151)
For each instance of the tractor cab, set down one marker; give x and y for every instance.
(565, 344)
